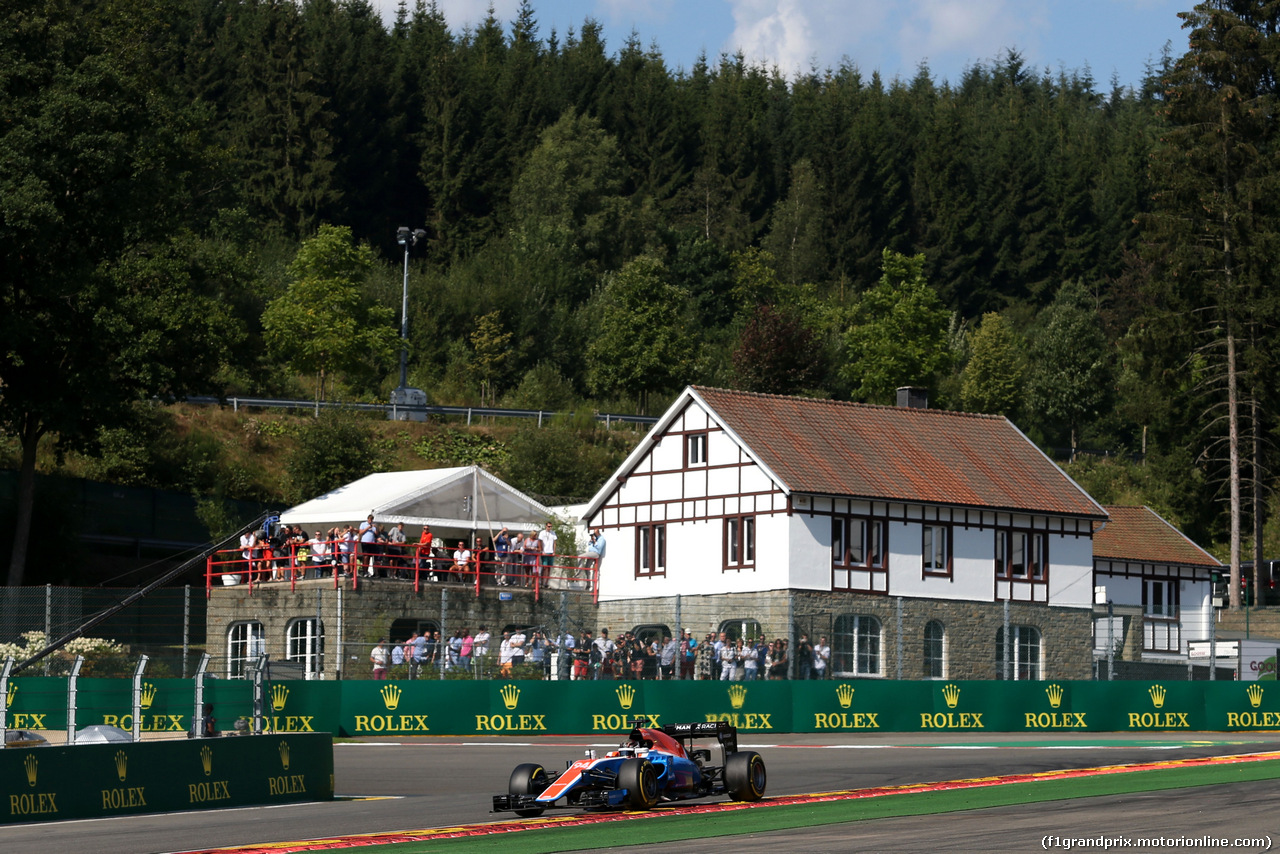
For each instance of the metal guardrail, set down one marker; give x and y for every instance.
(395, 409)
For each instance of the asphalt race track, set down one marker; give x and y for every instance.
(442, 782)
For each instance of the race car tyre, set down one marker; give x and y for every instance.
(744, 776)
(641, 782)
(528, 779)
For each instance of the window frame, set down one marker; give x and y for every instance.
(695, 449)
(929, 532)
(857, 646)
(739, 543)
(246, 640)
(871, 530)
(935, 651)
(1161, 632)
(1006, 541)
(1024, 639)
(651, 550)
(311, 642)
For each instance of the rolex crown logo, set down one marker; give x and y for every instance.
(1157, 693)
(11, 693)
(1054, 693)
(844, 694)
(390, 697)
(1255, 694)
(284, 755)
(122, 765)
(148, 695)
(206, 760)
(32, 765)
(951, 693)
(279, 695)
(626, 696)
(510, 696)
(737, 695)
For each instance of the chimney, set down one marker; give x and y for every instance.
(913, 397)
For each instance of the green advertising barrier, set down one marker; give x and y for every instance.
(96, 780)
(522, 707)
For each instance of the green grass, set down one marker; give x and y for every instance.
(769, 819)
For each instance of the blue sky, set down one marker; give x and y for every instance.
(1111, 37)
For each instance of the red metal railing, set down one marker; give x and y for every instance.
(408, 562)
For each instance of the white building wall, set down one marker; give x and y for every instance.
(1071, 571)
(809, 552)
(1197, 615)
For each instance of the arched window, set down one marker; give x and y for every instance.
(305, 644)
(935, 650)
(855, 648)
(1023, 651)
(245, 642)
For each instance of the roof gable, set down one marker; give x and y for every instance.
(1141, 534)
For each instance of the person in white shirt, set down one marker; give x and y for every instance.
(461, 557)
(504, 656)
(606, 648)
(548, 539)
(319, 553)
(821, 657)
(480, 643)
(517, 648)
(728, 662)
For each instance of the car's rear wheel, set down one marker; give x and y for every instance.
(640, 780)
(528, 779)
(744, 776)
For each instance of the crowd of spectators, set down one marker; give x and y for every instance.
(587, 656)
(509, 559)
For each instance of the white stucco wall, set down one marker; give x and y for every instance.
(1070, 571)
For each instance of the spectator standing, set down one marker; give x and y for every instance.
(804, 657)
(548, 539)
(778, 669)
(430, 650)
(368, 546)
(397, 655)
(466, 650)
(481, 643)
(414, 650)
(716, 659)
(319, 554)
(602, 662)
(564, 652)
(425, 540)
(396, 540)
(501, 555)
(582, 656)
(667, 660)
(728, 661)
(703, 661)
(531, 549)
(821, 658)
(750, 661)
(379, 658)
(518, 651)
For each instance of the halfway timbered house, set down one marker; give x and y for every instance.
(921, 543)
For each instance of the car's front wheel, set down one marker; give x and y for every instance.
(528, 779)
(640, 780)
(744, 776)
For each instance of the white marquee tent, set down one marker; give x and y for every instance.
(450, 499)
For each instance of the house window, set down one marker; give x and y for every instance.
(1021, 556)
(1161, 631)
(696, 449)
(305, 644)
(935, 650)
(739, 542)
(245, 642)
(858, 554)
(651, 550)
(935, 551)
(1023, 652)
(856, 646)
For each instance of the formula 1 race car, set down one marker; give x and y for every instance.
(655, 764)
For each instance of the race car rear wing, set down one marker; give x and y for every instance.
(723, 731)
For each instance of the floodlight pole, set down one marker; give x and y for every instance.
(406, 238)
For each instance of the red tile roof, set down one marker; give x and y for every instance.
(898, 454)
(1140, 534)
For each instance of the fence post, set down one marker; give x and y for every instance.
(4, 697)
(48, 621)
(1008, 645)
(71, 698)
(899, 677)
(199, 725)
(442, 643)
(1213, 646)
(186, 627)
(341, 645)
(1111, 640)
(137, 697)
(259, 690)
